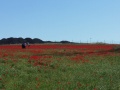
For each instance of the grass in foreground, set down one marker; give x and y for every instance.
(101, 73)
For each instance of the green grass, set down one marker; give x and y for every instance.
(98, 74)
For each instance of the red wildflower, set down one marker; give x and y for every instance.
(37, 78)
(94, 89)
(79, 84)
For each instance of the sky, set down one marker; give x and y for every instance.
(57, 20)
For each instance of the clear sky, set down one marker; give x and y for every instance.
(56, 20)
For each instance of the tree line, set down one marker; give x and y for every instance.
(20, 40)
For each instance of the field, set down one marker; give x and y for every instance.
(60, 67)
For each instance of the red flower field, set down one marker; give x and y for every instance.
(44, 65)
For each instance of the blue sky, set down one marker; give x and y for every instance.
(56, 20)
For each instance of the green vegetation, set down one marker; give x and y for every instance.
(98, 74)
(59, 69)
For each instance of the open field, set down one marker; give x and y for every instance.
(60, 67)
